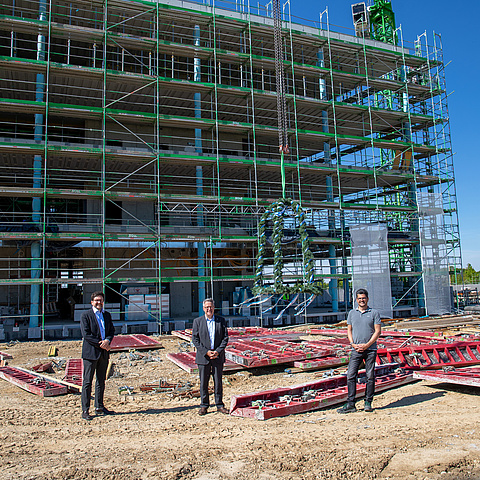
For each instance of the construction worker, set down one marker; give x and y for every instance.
(363, 329)
(97, 333)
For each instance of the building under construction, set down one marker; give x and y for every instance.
(140, 150)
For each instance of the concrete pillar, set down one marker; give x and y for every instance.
(333, 284)
(36, 248)
(197, 99)
(323, 96)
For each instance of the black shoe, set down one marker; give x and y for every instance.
(347, 408)
(202, 411)
(86, 416)
(104, 411)
(368, 407)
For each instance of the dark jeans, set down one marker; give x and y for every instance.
(215, 369)
(355, 360)
(99, 367)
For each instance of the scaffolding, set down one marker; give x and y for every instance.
(139, 151)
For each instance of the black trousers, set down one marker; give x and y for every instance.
(213, 368)
(99, 367)
(356, 358)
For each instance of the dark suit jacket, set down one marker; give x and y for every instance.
(91, 333)
(201, 339)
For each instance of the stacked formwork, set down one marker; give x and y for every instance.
(140, 148)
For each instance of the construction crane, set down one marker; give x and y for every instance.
(376, 22)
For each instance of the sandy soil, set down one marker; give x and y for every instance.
(422, 430)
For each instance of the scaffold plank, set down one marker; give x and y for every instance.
(310, 396)
(137, 342)
(469, 376)
(36, 384)
(186, 361)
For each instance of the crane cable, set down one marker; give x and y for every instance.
(280, 77)
(284, 206)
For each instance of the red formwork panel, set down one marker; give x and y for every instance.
(74, 371)
(186, 361)
(342, 355)
(339, 343)
(458, 354)
(279, 344)
(245, 332)
(469, 376)
(259, 353)
(137, 342)
(183, 334)
(338, 332)
(310, 396)
(32, 383)
(387, 337)
(324, 362)
(5, 356)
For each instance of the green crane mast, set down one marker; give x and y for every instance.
(382, 22)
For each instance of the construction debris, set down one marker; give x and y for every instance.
(125, 389)
(43, 367)
(181, 390)
(186, 361)
(161, 386)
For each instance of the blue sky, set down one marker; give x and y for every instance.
(458, 24)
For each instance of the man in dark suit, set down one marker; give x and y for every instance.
(210, 338)
(97, 332)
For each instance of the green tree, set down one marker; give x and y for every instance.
(470, 275)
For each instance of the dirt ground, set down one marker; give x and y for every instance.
(422, 430)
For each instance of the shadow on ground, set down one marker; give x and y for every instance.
(413, 400)
(156, 411)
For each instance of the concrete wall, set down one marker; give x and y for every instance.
(181, 300)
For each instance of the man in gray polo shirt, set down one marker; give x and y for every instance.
(363, 328)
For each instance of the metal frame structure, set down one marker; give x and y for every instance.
(138, 147)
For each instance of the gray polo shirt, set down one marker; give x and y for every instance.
(363, 325)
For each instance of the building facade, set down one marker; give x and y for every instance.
(139, 149)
